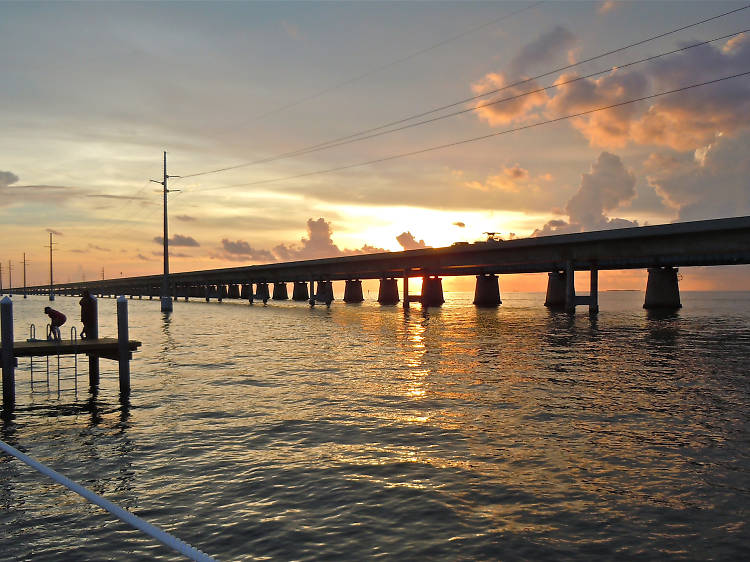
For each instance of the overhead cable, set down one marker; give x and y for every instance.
(339, 140)
(483, 137)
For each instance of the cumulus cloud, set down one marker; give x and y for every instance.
(511, 179)
(241, 250)
(517, 108)
(682, 121)
(712, 182)
(545, 49)
(542, 50)
(318, 244)
(408, 242)
(7, 178)
(612, 127)
(178, 240)
(605, 187)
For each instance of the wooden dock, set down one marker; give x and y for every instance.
(101, 347)
(118, 349)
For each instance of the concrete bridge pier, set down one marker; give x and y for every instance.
(299, 292)
(662, 289)
(487, 291)
(207, 291)
(388, 291)
(280, 292)
(406, 288)
(432, 291)
(246, 292)
(353, 291)
(261, 292)
(233, 292)
(556, 283)
(325, 292)
(312, 293)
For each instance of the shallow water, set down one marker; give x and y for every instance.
(360, 431)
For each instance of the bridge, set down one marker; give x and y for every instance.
(661, 249)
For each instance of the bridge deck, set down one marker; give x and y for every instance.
(102, 347)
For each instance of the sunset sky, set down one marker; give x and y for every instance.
(91, 94)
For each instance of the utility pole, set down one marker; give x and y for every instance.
(1, 279)
(166, 298)
(51, 290)
(10, 277)
(24, 274)
(102, 274)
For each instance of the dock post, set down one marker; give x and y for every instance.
(594, 291)
(92, 333)
(570, 288)
(123, 352)
(406, 288)
(9, 361)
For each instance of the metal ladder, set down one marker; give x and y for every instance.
(60, 368)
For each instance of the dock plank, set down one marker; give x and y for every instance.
(101, 346)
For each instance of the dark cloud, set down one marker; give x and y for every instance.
(55, 232)
(459, 224)
(171, 254)
(178, 240)
(604, 188)
(408, 242)
(95, 247)
(143, 258)
(245, 251)
(544, 49)
(185, 218)
(7, 178)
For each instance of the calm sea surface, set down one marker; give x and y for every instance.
(357, 432)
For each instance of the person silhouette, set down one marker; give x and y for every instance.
(57, 319)
(88, 314)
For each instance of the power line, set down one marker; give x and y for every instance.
(483, 137)
(340, 140)
(524, 94)
(397, 61)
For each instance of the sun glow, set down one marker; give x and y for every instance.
(379, 226)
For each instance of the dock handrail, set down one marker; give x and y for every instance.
(122, 514)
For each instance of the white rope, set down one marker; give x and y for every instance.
(122, 514)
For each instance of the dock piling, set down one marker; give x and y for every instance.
(123, 352)
(9, 360)
(92, 333)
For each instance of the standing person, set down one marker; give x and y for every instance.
(57, 319)
(88, 314)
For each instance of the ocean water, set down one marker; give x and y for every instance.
(357, 432)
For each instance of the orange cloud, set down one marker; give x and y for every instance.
(511, 109)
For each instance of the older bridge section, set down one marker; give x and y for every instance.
(660, 249)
